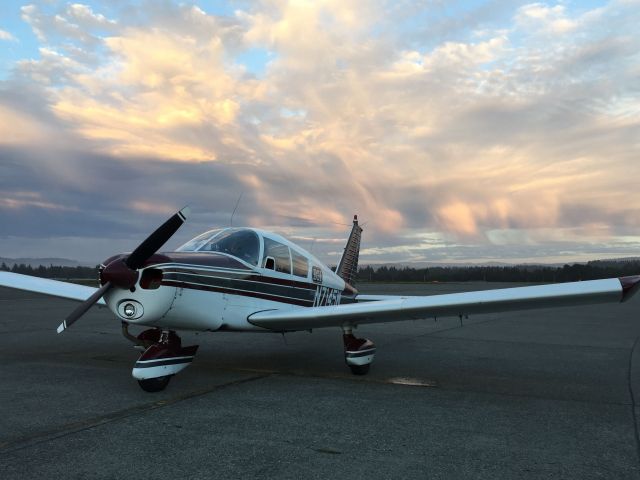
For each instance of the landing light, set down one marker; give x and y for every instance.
(130, 310)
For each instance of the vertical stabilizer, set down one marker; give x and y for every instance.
(348, 266)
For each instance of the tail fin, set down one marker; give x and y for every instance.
(348, 266)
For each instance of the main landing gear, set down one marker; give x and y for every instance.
(163, 357)
(358, 352)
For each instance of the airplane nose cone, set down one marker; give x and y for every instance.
(119, 274)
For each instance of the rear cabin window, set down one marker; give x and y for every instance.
(276, 256)
(300, 264)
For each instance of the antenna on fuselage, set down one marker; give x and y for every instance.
(235, 208)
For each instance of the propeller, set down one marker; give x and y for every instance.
(123, 272)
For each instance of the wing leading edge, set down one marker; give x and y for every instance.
(47, 286)
(389, 309)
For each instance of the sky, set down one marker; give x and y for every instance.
(458, 131)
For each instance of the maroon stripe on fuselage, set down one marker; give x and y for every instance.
(265, 279)
(242, 293)
(250, 276)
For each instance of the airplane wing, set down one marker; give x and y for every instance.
(379, 309)
(47, 286)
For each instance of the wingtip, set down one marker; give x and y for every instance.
(630, 285)
(62, 327)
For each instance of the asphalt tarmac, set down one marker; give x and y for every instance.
(539, 394)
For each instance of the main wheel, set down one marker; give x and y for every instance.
(154, 384)
(360, 369)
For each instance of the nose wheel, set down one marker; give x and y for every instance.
(155, 384)
(163, 357)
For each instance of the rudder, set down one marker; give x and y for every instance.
(347, 268)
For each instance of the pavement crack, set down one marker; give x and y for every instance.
(328, 450)
(82, 425)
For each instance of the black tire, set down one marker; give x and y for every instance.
(360, 369)
(154, 384)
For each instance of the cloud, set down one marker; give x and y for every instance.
(7, 36)
(21, 200)
(77, 23)
(550, 19)
(85, 17)
(521, 118)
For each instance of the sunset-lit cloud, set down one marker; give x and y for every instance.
(22, 200)
(495, 128)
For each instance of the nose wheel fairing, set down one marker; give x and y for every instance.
(161, 361)
(163, 357)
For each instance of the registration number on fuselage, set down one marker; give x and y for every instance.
(326, 296)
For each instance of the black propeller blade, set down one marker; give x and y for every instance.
(83, 307)
(156, 240)
(133, 262)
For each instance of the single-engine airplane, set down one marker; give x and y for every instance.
(247, 279)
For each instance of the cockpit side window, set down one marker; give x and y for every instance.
(280, 255)
(242, 244)
(300, 264)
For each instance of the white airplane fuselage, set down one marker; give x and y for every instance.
(210, 291)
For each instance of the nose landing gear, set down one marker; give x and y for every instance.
(163, 357)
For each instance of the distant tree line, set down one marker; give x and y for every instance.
(520, 273)
(53, 271)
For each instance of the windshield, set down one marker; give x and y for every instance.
(240, 243)
(195, 243)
